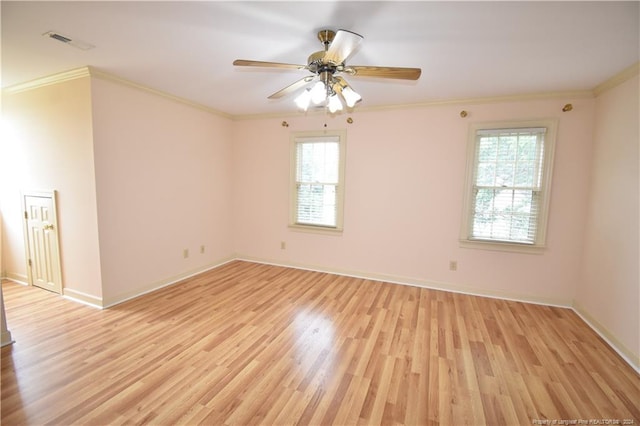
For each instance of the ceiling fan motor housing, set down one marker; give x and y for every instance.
(316, 64)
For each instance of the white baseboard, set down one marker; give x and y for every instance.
(104, 303)
(120, 298)
(633, 359)
(418, 282)
(84, 298)
(67, 293)
(5, 338)
(17, 278)
(394, 279)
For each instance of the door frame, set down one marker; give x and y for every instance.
(44, 194)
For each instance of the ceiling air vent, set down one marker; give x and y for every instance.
(78, 44)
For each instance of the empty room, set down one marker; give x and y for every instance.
(320, 213)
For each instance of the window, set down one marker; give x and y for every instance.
(317, 180)
(508, 182)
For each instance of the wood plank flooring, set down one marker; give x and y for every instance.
(252, 344)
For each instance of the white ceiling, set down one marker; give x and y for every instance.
(465, 49)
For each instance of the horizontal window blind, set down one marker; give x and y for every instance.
(507, 184)
(532, 130)
(317, 180)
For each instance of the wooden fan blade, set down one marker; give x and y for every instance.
(292, 87)
(343, 46)
(247, 63)
(385, 72)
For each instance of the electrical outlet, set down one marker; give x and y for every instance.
(453, 265)
(185, 253)
(202, 248)
(283, 245)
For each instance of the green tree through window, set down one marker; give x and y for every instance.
(508, 185)
(317, 180)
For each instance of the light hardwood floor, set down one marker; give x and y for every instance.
(263, 345)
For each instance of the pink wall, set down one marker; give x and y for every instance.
(141, 178)
(163, 176)
(610, 286)
(47, 145)
(403, 205)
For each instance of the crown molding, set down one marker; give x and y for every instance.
(488, 100)
(610, 83)
(621, 77)
(89, 71)
(49, 80)
(115, 79)
(442, 102)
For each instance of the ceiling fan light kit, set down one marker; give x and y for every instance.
(334, 104)
(325, 88)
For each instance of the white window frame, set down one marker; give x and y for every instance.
(466, 240)
(300, 137)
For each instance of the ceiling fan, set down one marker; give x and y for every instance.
(325, 66)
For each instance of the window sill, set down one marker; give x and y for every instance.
(502, 246)
(315, 229)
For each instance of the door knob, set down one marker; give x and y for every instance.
(48, 227)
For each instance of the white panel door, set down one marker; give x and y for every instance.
(42, 242)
